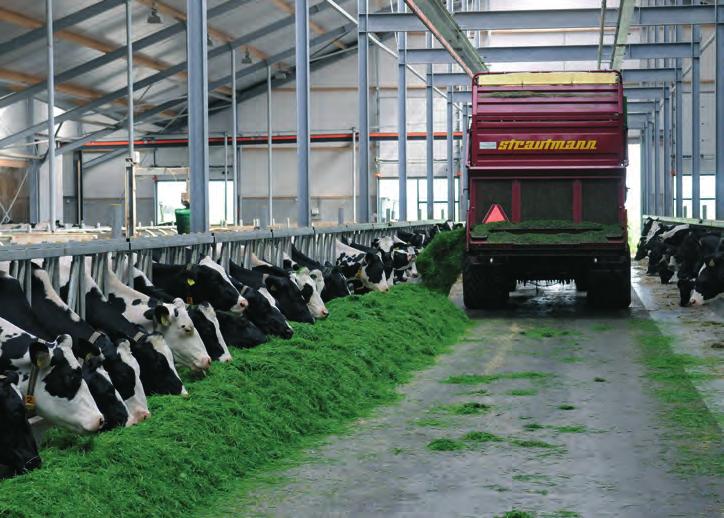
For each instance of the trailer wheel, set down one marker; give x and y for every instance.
(611, 288)
(581, 282)
(484, 287)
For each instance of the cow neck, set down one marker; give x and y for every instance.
(29, 399)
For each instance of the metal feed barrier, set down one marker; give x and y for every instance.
(269, 245)
(713, 224)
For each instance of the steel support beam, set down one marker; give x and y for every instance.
(549, 19)
(652, 169)
(234, 135)
(269, 150)
(666, 177)
(643, 173)
(695, 122)
(450, 213)
(463, 165)
(50, 157)
(552, 53)
(198, 116)
(430, 142)
(301, 13)
(719, 130)
(402, 118)
(363, 211)
(679, 133)
(658, 191)
(130, 198)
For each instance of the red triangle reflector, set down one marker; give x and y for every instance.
(495, 214)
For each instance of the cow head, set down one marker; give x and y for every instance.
(125, 374)
(182, 338)
(311, 284)
(265, 314)
(685, 286)
(239, 331)
(62, 396)
(105, 395)
(209, 282)
(289, 298)
(155, 361)
(207, 325)
(709, 282)
(372, 274)
(335, 283)
(18, 450)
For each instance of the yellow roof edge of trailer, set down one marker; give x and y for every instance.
(548, 78)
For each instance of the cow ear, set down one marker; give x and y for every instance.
(123, 344)
(271, 283)
(10, 377)
(162, 315)
(40, 355)
(369, 256)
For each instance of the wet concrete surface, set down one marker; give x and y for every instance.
(596, 443)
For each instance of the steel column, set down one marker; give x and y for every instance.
(430, 137)
(402, 117)
(695, 122)
(463, 165)
(658, 194)
(678, 145)
(234, 135)
(50, 157)
(198, 114)
(301, 24)
(719, 132)
(33, 186)
(450, 159)
(652, 169)
(644, 171)
(270, 169)
(666, 177)
(354, 175)
(363, 211)
(130, 199)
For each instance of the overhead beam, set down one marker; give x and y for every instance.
(285, 7)
(550, 19)
(552, 53)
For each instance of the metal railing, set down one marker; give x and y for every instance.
(222, 246)
(701, 223)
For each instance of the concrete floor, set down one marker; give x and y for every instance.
(614, 459)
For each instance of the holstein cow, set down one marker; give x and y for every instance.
(698, 246)
(263, 311)
(280, 291)
(18, 450)
(202, 315)
(335, 283)
(365, 267)
(385, 256)
(710, 281)
(171, 320)
(202, 282)
(239, 331)
(17, 311)
(157, 371)
(61, 396)
(59, 318)
(403, 257)
(309, 284)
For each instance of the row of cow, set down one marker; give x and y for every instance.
(95, 373)
(691, 256)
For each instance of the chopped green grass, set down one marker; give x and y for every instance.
(263, 407)
(445, 445)
(693, 428)
(545, 232)
(532, 443)
(562, 513)
(601, 328)
(432, 422)
(477, 379)
(441, 262)
(515, 513)
(469, 408)
(534, 478)
(523, 392)
(576, 428)
(482, 437)
(546, 332)
(598, 379)
(566, 406)
(533, 426)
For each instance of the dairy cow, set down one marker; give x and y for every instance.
(365, 268)
(239, 331)
(109, 401)
(18, 449)
(202, 282)
(263, 311)
(61, 395)
(279, 290)
(709, 283)
(171, 320)
(335, 283)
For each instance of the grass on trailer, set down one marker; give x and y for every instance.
(261, 407)
(546, 232)
(441, 261)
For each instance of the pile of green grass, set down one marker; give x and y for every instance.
(537, 232)
(263, 406)
(441, 261)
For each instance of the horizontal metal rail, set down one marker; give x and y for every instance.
(701, 223)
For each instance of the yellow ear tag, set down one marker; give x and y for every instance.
(190, 282)
(711, 263)
(30, 402)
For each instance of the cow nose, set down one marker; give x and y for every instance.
(203, 363)
(142, 415)
(325, 313)
(188, 330)
(95, 425)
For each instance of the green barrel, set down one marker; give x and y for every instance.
(183, 221)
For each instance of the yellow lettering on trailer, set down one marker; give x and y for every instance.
(547, 145)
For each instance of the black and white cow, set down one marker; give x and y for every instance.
(416, 239)
(280, 291)
(709, 283)
(239, 331)
(61, 395)
(155, 359)
(365, 267)
(202, 282)
(117, 360)
(18, 449)
(310, 283)
(335, 283)
(263, 311)
(109, 401)
(171, 320)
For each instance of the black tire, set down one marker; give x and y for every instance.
(484, 287)
(581, 282)
(610, 288)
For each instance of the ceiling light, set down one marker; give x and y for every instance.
(247, 58)
(153, 17)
